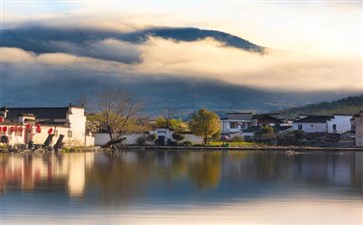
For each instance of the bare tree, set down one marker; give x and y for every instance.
(117, 109)
(85, 100)
(168, 114)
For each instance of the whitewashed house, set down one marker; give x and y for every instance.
(235, 123)
(323, 124)
(339, 124)
(358, 125)
(24, 125)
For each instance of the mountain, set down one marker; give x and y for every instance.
(185, 94)
(85, 42)
(349, 105)
(37, 83)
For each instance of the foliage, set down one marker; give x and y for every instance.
(237, 139)
(217, 136)
(177, 125)
(241, 144)
(187, 143)
(266, 135)
(151, 137)
(178, 137)
(141, 140)
(291, 138)
(349, 105)
(204, 123)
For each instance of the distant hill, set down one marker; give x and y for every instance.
(349, 105)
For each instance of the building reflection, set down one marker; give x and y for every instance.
(121, 177)
(31, 171)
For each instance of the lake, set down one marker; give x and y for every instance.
(181, 187)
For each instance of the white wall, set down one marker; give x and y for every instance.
(342, 122)
(358, 120)
(131, 139)
(226, 126)
(311, 127)
(77, 121)
(192, 138)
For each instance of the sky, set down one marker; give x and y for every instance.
(310, 45)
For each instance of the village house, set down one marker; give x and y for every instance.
(358, 127)
(21, 126)
(246, 124)
(336, 124)
(235, 123)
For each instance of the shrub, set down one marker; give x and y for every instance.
(151, 137)
(141, 141)
(187, 143)
(178, 137)
(237, 139)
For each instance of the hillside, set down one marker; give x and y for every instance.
(349, 105)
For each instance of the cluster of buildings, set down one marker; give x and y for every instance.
(21, 126)
(246, 124)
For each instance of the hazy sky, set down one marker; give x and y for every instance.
(313, 45)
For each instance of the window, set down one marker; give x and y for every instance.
(334, 127)
(234, 125)
(69, 133)
(299, 126)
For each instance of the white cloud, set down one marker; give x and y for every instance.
(208, 59)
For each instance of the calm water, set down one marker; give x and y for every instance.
(244, 187)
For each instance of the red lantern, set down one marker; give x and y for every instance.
(20, 129)
(38, 129)
(50, 131)
(1, 119)
(28, 127)
(5, 129)
(12, 129)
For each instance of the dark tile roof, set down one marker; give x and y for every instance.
(239, 116)
(40, 113)
(266, 119)
(282, 128)
(314, 119)
(252, 129)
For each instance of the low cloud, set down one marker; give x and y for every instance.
(204, 59)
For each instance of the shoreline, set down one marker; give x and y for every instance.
(193, 149)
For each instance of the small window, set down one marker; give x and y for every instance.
(69, 133)
(334, 127)
(234, 125)
(300, 126)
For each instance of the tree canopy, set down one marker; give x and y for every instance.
(204, 123)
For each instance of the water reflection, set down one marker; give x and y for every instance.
(177, 181)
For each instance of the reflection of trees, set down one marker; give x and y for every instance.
(207, 171)
(115, 178)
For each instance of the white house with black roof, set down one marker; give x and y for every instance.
(25, 125)
(324, 124)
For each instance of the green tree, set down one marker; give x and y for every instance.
(204, 123)
(266, 135)
(178, 137)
